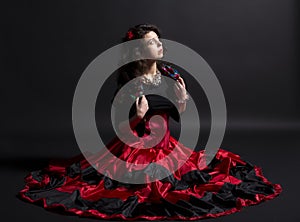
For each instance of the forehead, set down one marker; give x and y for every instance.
(151, 35)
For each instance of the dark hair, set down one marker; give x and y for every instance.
(139, 31)
(136, 68)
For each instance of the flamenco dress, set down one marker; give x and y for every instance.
(226, 185)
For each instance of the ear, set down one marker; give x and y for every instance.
(140, 47)
(137, 52)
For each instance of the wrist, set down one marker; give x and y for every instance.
(183, 99)
(139, 116)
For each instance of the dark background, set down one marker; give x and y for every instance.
(252, 46)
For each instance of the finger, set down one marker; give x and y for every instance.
(182, 81)
(176, 86)
(144, 100)
(179, 84)
(143, 97)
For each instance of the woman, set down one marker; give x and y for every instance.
(167, 192)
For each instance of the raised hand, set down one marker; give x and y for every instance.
(141, 106)
(180, 90)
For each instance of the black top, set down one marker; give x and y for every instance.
(158, 102)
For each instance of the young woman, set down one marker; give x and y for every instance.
(223, 187)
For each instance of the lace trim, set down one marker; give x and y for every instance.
(156, 80)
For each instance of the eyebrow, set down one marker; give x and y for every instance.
(150, 39)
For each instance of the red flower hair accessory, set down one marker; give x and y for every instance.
(130, 34)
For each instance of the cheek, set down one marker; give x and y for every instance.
(151, 51)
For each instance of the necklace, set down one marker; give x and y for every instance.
(156, 80)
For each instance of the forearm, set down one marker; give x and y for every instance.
(181, 103)
(181, 107)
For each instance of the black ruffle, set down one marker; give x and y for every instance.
(211, 202)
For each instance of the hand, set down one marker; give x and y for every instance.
(142, 106)
(180, 90)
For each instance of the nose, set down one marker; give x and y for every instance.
(159, 43)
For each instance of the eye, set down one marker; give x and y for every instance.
(151, 42)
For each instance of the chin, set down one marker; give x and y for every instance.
(160, 56)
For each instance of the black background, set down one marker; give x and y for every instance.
(252, 46)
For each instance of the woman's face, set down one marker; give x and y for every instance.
(153, 46)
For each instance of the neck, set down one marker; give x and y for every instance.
(152, 67)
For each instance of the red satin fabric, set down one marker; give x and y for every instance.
(153, 191)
